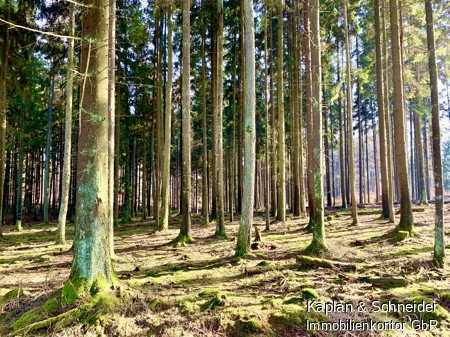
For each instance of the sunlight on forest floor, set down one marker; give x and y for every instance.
(200, 290)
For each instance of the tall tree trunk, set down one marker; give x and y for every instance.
(296, 115)
(384, 155)
(220, 224)
(318, 243)
(112, 119)
(157, 118)
(308, 111)
(19, 178)
(234, 155)
(214, 122)
(185, 228)
(388, 124)
(426, 158)
(47, 149)
(281, 214)
(327, 155)
(375, 158)
(249, 106)
(273, 128)
(165, 184)
(342, 174)
(366, 144)
(421, 187)
(92, 259)
(4, 56)
(406, 215)
(439, 245)
(351, 160)
(205, 196)
(117, 178)
(266, 108)
(67, 135)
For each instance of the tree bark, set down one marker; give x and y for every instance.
(185, 228)
(421, 187)
(386, 205)
(220, 224)
(406, 215)
(92, 259)
(351, 160)
(205, 196)
(308, 111)
(112, 118)
(281, 214)
(67, 135)
(342, 174)
(439, 245)
(246, 221)
(387, 123)
(3, 110)
(165, 184)
(47, 149)
(318, 243)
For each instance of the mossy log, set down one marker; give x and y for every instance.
(386, 282)
(314, 262)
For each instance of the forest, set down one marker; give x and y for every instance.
(220, 168)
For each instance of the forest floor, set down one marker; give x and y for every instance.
(200, 290)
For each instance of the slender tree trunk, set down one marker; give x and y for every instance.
(273, 128)
(157, 120)
(318, 243)
(234, 155)
(366, 144)
(220, 224)
(205, 196)
(112, 119)
(281, 214)
(165, 191)
(351, 161)
(47, 150)
(439, 244)
(117, 178)
(4, 58)
(67, 135)
(185, 228)
(406, 215)
(384, 155)
(19, 179)
(298, 56)
(387, 109)
(293, 99)
(308, 111)
(426, 156)
(342, 174)
(327, 155)
(266, 108)
(92, 259)
(249, 106)
(421, 187)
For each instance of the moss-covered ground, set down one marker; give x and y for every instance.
(199, 289)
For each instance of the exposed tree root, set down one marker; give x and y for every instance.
(182, 240)
(385, 282)
(220, 234)
(313, 262)
(59, 311)
(316, 248)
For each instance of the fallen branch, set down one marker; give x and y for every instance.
(314, 262)
(386, 282)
